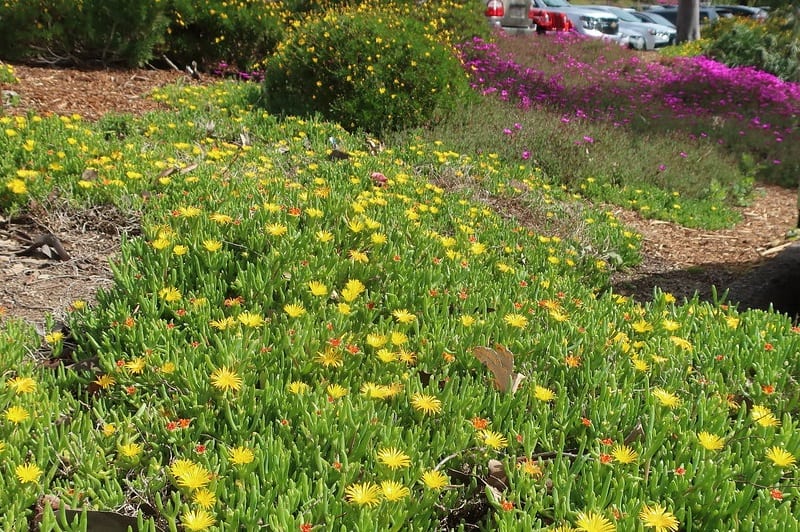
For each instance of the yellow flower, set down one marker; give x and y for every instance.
(732, 321)
(136, 365)
(16, 414)
(467, 320)
(378, 238)
(642, 326)
(624, 454)
(365, 494)
(109, 429)
(276, 229)
(180, 250)
(241, 455)
(477, 248)
(764, 416)
(670, 325)
(435, 479)
(220, 218)
(225, 379)
(493, 439)
(403, 316)
(330, 358)
(225, 323)
(398, 338)
(394, 491)
(639, 363)
(659, 518)
(130, 450)
(17, 186)
(294, 310)
(204, 498)
(317, 288)
(2, 446)
(427, 404)
(212, 245)
(393, 458)
(343, 308)
(298, 387)
(712, 442)
(197, 519)
(169, 294)
(53, 337)
(250, 319)
(594, 522)
(376, 340)
(336, 391)
(22, 385)
(28, 473)
(543, 394)
(194, 477)
(352, 289)
(682, 343)
(516, 320)
(668, 399)
(324, 236)
(781, 457)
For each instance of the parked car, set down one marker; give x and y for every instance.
(757, 13)
(513, 16)
(584, 20)
(647, 16)
(654, 35)
(708, 14)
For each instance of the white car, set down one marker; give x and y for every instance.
(651, 35)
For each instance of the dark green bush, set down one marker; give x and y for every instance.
(105, 31)
(241, 33)
(366, 70)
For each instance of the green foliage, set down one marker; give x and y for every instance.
(374, 71)
(7, 74)
(771, 46)
(211, 31)
(108, 31)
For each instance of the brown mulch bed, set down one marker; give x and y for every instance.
(677, 259)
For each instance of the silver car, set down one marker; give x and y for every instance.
(652, 35)
(513, 16)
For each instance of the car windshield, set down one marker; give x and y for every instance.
(658, 19)
(557, 3)
(623, 14)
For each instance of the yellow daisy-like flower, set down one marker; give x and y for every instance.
(276, 229)
(670, 325)
(22, 385)
(204, 498)
(639, 363)
(16, 414)
(393, 458)
(394, 491)
(28, 473)
(493, 439)
(668, 399)
(105, 381)
(223, 324)
(398, 338)
(130, 449)
(403, 316)
(136, 365)
(170, 294)
(298, 387)
(543, 394)
(317, 289)
(710, 441)
(352, 289)
(427, 404)
(294, 310)
(53, 337)
(467, 320)
(764, 416)
(324, 236)
(516, 320)
(732, 321)
(109, 429)
(180, 250)
(241, 455)
(330, 358)
(250, 319)
(358, 256)
(225, 379)
(194, 477)
(642, 326)
(376, 340)
(624, 454)
(336, 391)
(186, 212)
(365, 494)
(781, 457)
(16, 186)
(659, 518)
(594, 522)
(220, 218)
(180, 467)
(212, 246)
(682, 343)
(435, 479)
(199, 519)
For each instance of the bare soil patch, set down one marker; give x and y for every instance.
(680, 260)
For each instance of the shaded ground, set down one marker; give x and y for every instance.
(677, 259)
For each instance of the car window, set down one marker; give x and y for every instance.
(556, 3)
(622, 14)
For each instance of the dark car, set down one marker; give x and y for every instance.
(742, 11)
(708, 14)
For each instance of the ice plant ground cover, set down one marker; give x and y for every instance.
(289, 345)
(685, 124)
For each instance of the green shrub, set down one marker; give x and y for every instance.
(211, 31)
(364, 70)
(769, 46)
(108, 31)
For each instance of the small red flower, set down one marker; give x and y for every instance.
(184, 423)
(606, 458)
(586, 422)
(284, 422)
(768, 389)
(680, 471)
(130, 390)
(523, 283)
(199, 448)
(172, 426)
(507, 505)
(335, 342)
(306, 527)
(768, 347)
(353, 349)
(607, 441)
(337, 466)
(776, 494)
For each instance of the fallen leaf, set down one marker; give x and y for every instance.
(500, 362)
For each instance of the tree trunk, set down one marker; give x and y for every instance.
(688, 20)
